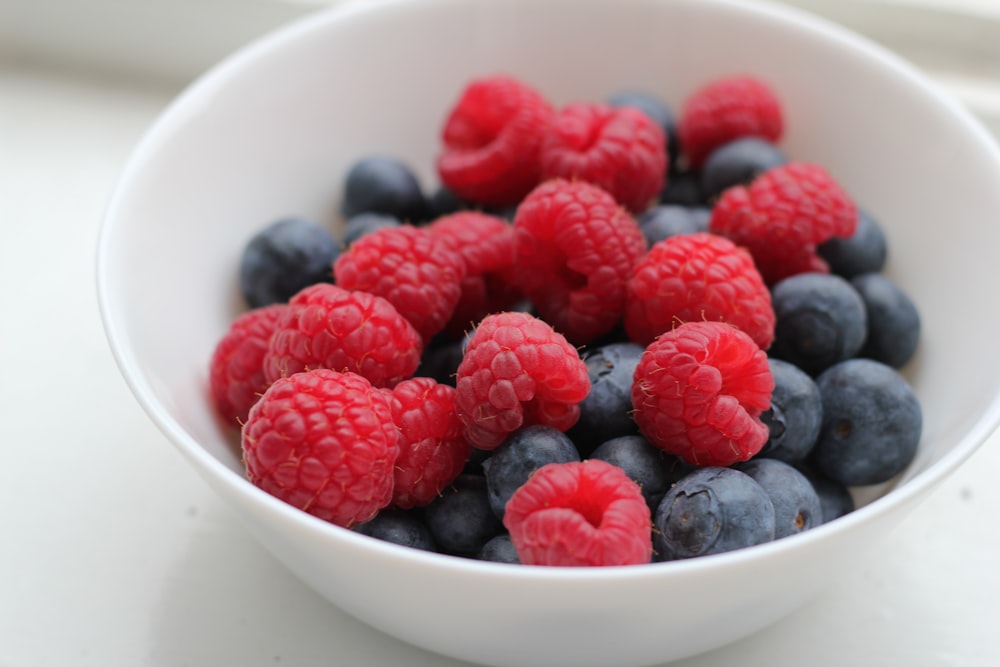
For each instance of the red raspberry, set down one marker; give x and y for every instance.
(324, 442)
(517, 371)
(236, 370)
(619, 149)
(574, 250)
(486, 243)
(699, 391)
(492, 138)
(327, 326)
(579, 513)
(783, 215)
(726, 109)
(410, 268)
(432, 447)
(697, 277)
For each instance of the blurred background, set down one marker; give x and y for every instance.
(112, 553)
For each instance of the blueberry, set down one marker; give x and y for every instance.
(441, 359)
(443, 202)
(668, 220)
(365, 223)
(285, 257)
(380, 184)
(655, 109)
(795, 415)
(606, 411)
(460, 519)
(863, 252)
(835, 499)
(797, 506)
(500, 549)
(682, 188)
(522, 453)
(650, 467)
(872, 423)
(820, 320)
(738, 163)
(712, 510)
(403, 527)
(893, 320)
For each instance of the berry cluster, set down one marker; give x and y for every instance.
(611, 336)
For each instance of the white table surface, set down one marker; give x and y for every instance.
(114, 553)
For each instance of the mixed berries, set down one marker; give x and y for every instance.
(612, 335)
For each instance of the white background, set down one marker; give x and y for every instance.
(113, 553)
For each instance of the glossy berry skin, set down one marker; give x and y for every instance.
(619, 149)
(382, 184)
(864, 251)
(460, 519)
(795, 415)
(712, 510)
(650, 467)
(797, 506)
(500, 549)
(586, 513)
(699, 391)
(575, 247)
(893, 320)
(739, 162)
(521, 454)
(821, 320)
(323, 442)
(401, 527)
(285, 257)
(606, 411)
(872, 422)
(666, 220)
(363, 224)
(697, 277)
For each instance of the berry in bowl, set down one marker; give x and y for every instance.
(605, 358)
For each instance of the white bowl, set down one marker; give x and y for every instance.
(272, 131)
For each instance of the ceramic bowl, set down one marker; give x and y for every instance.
(272, 130)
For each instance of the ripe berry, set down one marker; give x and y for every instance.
(651, 468)
(585, 513)
(500, 549)
(796, 504)
(324, 442)
(699, 392)
(285, 257)
(666, 220)
(697, 277)
(795, 415)
(738, 162)
(460, 519)
(574, 250)
(399, 527)
(381, 184)
(606, 412)
(865, 251)
(893, 320)
(835, 499)
(363, 224)
(619, 149)
(657, 111)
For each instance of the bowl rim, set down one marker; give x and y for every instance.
(209, 466)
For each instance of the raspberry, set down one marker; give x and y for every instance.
(585, 513)
(410, 268)
(575, 248)
(432, 448)
(486, 243)
(697, 277)
(492, 138)
(517, 371)
(699, 391)
(619, 149)
(726, 109)
(327, 326)
(783, 215)
(236, 370)
(324, 442)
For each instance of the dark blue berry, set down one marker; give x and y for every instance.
(682, 188)
(443, 202)
(796, 504)
(404, 527)
(835, 499)
(738, 162)
(650, 467)
(795, 415)
(441, 359)
(668, 220)
(380, 184)
(819, 321)
(872, 423)
(712, 510)
(893, 320)
(656, 110)
(606, 411)
(863, 252)
(285, 257)
(522, 453)
(365, 223)
(460, 519)
(500, 549)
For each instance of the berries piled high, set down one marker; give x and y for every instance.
(611, 336)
